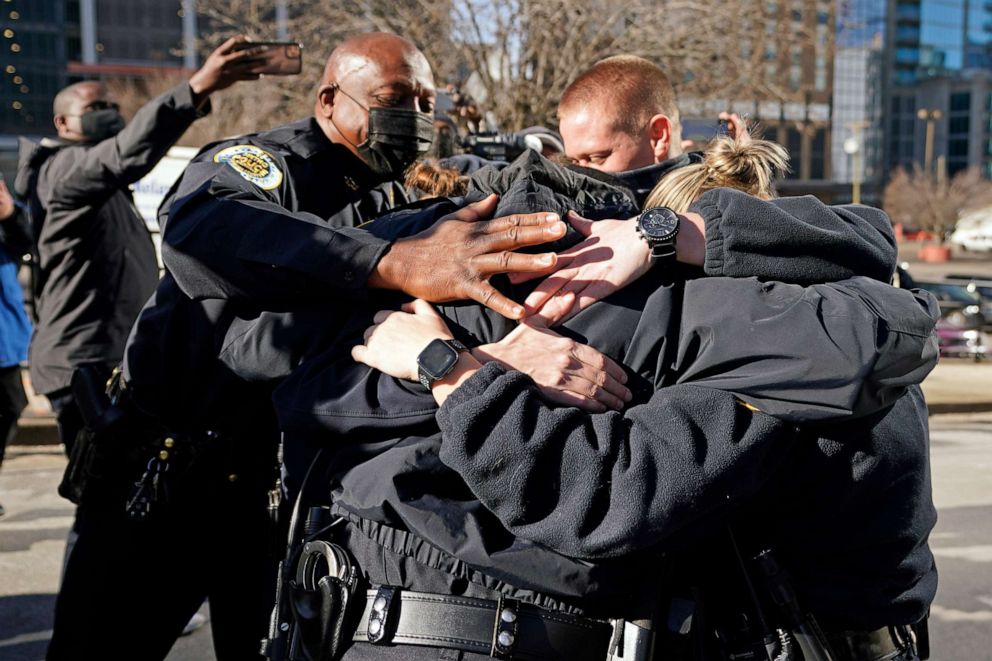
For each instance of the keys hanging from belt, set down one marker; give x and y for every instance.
(151, 489)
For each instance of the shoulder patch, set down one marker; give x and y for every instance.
(253, 163)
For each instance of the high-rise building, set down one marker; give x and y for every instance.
(135, 38)
(794, 109)
(858, 94)
(939, 61)
(36, 42)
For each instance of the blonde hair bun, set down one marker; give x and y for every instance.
(746, 165)
(750, 166)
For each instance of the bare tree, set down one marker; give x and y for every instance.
(931, 203)
(246, 107)
(523, 53)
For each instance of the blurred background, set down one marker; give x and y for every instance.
(882, 102)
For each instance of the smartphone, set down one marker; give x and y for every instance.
(280, 58)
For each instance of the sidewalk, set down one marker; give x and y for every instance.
(959, 385)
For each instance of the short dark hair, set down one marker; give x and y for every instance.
(636, 88)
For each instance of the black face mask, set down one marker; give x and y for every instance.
(98, 125)
(397, 137)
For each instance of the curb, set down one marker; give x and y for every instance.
(41, 430)
(939, 408)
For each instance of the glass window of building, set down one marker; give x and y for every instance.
(961, 102)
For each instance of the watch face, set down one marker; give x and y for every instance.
(659, 223)
(437, 359)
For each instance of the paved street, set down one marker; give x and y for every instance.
(961, 618)
(32, 539)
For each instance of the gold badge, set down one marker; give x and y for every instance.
(253, 164)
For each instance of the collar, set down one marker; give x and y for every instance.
(642, 180)
(55, 143)
(308, 140)
(311, 141)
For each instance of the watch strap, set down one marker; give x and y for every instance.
(663, 251)
(426, 379)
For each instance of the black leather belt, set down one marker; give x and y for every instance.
(502, 629)
(884, 643)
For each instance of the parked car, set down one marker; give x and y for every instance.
(974, 232)
(961, 327)
(961, 342)
(981, 285)
(958, 305)
(961, 323)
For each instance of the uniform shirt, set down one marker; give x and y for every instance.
(97, 263)
(269, 219)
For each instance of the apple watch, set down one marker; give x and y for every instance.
(437, 360)
(659, 226)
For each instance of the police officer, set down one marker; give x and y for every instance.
(243, 226)
(96, 260)
(259, 223)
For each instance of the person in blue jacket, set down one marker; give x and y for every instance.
(15, 329)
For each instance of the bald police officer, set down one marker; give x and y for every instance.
(258, 224)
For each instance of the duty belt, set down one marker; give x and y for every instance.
(502, 629)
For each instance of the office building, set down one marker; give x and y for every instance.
(940, 59)
(858, 95)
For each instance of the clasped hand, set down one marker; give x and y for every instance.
(565, 371)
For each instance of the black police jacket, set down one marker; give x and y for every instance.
(643, 180)
(96, 260)
(669, 471)
(243, 207)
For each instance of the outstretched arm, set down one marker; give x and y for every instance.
(132, 153)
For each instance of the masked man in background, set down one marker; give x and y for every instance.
(96, 260)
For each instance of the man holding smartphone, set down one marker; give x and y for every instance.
(97, 263)
(96, 260)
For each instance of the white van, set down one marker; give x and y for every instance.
(974, 231)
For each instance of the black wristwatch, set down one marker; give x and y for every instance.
(437, 360)
(659, 226)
